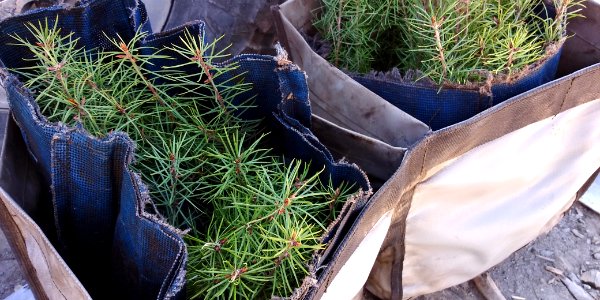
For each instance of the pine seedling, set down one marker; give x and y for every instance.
(199, 159)
(442, 46)
(355, 30)
(273, 226)
(555, 29)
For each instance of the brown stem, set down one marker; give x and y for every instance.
(561, 11)
(129, 56)
(339, 30)
(511, 53)
(206, 69)
(438, 41)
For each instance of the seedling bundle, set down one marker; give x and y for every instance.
(450, 42)
(203, 164)
(221, 145)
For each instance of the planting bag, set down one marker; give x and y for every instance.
(95, 211)
(466, 195)
(442, 108)
(420, 105)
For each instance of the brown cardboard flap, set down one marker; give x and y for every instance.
(582, 49)
(48, 274)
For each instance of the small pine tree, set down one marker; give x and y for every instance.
(449, 41)
(200, 161)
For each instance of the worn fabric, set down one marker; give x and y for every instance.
(441, 108)
(116, 248)
(244, 25)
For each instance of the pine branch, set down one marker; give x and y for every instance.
(199, 159)
(449, 41)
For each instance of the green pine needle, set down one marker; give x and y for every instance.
(449, 41)
(254, 222)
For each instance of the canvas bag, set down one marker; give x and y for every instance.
(91, 206)
(465, 196)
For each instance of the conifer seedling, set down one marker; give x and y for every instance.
(449, 41)
(253, 220)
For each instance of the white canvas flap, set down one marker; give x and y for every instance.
(474, 211)
(353, 275)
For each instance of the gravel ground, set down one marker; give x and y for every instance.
(11, 275)
(572, 247)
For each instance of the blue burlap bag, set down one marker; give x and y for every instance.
(441, 108)
(104, 223)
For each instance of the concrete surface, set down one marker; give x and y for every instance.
(11, 275)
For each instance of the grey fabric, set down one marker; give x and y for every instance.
(245, 24)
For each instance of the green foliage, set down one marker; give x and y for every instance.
(356, 30)
(200, 161)
(450, 41)
(272, 229)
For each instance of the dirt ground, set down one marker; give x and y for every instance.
(11, 276)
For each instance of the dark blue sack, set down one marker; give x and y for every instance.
(104, 225)
(441, 108)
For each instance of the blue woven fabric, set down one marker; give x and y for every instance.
(440, 109)
(104, 232)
